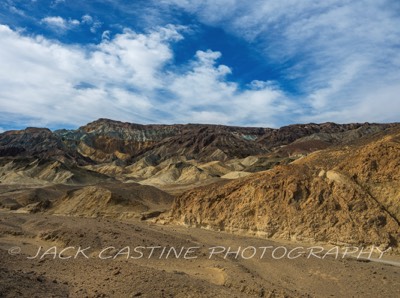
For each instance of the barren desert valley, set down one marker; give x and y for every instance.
(115, 209)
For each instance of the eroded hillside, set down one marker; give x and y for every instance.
(346, 195)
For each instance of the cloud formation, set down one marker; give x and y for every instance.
(93, 23)
(126, 78)
(332, 60)
(60, 24)
(340, 53)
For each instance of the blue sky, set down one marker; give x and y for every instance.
(64, 63)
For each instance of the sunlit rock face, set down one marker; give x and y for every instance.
(343, 195)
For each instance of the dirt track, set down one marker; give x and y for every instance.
(200, 274)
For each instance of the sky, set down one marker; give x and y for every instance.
(64, 63)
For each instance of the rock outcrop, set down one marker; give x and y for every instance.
(345, 195)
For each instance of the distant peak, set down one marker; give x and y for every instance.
(30, 130)
(104, 120)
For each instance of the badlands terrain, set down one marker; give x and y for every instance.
(113, 187)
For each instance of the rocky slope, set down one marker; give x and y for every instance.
(36, 171)
(162, 154)
(122, 201)
(346, 195)
(110, 200)
(107, 140)
(37, 142)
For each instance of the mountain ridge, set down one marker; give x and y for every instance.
(105, 140)
(164, 154)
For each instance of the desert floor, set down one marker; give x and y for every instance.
(114, 267)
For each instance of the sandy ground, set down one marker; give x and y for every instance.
(114, 267)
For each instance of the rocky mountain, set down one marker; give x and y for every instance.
(343, 195)
(107, 140)
(162, 155)
(37, 142)
(210, 142)
(288, 134)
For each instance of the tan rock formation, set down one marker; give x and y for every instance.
(348, 195)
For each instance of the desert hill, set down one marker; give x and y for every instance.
(113, 200)
(108, 199)
(36, 171)
(344, 195)
(162, 154)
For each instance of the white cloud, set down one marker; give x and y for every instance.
(17, 11)
(87, 19)
(60, 24)
(124, 78)
(74, 22)
(106, 35)
(204, 95)
(56, 2)
(257, 85)
(41, 76)
(94, 24)
(339, 51)
(11, 7)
